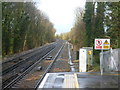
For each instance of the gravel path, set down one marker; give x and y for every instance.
(61, 64)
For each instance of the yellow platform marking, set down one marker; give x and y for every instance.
(70, 81)
(112, 74)
(76, 81)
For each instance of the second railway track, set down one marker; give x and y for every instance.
(17, 70)
(12, 64)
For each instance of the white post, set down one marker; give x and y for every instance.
(69, 54)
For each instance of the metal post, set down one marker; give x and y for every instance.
(69, 54)
(101, 63)
(88, 64)
(91, 58)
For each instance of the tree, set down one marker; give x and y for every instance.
(112, 23)
(99, 22)
(24, 27)
(89, 17)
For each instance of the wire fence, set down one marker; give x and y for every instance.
(111, 60)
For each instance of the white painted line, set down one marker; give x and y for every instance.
(43, 81)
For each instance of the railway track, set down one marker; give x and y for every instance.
(26, 65)
(25, 53)
(12, 64)
(17, 76)
(49, 67)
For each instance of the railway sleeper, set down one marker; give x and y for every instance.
(39, 68)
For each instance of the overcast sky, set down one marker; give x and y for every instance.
(61, 12)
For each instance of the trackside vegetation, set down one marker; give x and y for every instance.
(24, 27)
(97, 20)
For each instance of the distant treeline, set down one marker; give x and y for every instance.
(24, 27)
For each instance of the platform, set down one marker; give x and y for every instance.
(80, 80)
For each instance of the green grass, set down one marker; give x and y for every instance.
(95, 68)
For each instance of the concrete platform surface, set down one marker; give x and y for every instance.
(84, 80)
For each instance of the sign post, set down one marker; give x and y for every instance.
(102, 44)
(101, 63)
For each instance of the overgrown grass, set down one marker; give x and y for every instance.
(96, 67)
(96, 61)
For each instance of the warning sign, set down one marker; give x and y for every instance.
(106, 44)
(102, 44)
(99, 44)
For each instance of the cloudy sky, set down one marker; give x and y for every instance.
(61, 12)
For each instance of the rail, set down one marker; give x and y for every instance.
(49, 67)
(25, 72)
